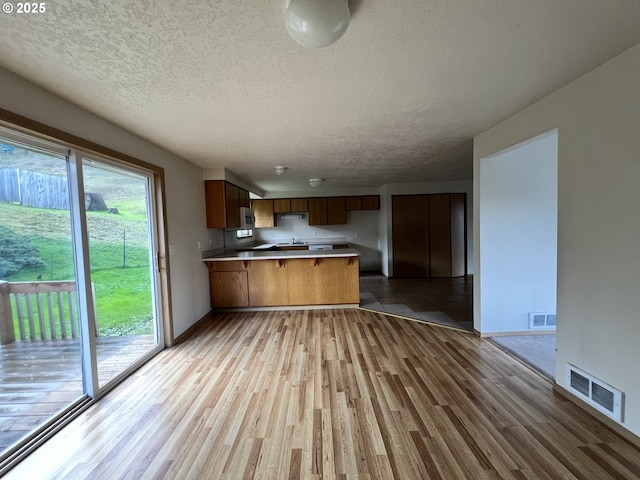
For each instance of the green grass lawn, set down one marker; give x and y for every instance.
(119, 269)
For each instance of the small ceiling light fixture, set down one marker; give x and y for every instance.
(315, 182)
(280, 170)
(316, 23)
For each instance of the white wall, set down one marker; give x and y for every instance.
(423, 188)
(598, 303)
(518, 240)
(184, 187)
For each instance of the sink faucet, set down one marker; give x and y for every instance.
(293, 240)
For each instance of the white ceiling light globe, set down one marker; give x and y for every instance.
(317, 23)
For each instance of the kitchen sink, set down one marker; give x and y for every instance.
(285, 244)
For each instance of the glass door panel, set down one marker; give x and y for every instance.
(40, 353)
(121, 246)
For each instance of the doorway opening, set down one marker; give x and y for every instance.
(518, 213)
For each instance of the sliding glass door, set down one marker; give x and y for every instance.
(121, 245)
(78, 281)
(40, 370)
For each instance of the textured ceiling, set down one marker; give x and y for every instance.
(398, 98)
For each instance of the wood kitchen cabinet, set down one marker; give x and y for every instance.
(336, 211)
(299, 205)
(263, 210)
(232, 205)
(327, 211)
(317, 211)
(293, 281)
(229, 289)
(429, 235)
(354, 203)
(223, 202)
(245, 201)
(282, 205)
(371, 202)
(365, 202)
(228, 284)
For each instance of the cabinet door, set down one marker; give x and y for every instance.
(336, 211)
(299, 205)
(281, 205)
(440, 235)
(371, 202)
(232, 203)
(229, 289)
(245, 201)
(354, 203)
(410, 235)
(317, 211)
(214, 192)
(263, 210)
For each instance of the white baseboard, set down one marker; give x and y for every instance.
(515, 332)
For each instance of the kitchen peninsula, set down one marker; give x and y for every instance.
(284, 278)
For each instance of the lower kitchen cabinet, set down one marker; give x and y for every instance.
(284, 282)
(229, 289)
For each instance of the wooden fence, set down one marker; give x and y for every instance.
(44, 311)
(34, 189)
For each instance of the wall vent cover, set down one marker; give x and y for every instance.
(595, 392)
(542, 320)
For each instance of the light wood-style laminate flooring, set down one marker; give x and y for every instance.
(333, 394)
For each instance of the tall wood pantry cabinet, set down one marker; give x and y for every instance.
(429, 235)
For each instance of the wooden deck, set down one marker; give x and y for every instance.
(333, 394)
(40, 378)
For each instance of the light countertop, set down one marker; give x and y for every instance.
(283, 255)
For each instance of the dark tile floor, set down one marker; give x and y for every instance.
(446, 301)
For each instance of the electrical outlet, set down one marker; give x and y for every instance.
(199, 245)
(315, 234)
(172, 249)
(355, 235)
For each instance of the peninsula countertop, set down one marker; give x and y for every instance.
(283, 255)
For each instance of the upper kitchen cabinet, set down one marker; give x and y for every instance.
(299, 205)
(366, 202)
(371, 202)
(263, 210)
(327, 211)
(223, 202)
(282, 205)
(336, 211)
(245, 201)
(317, 211)
(290, 205)
(354, 203)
